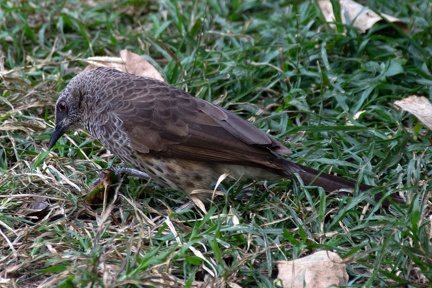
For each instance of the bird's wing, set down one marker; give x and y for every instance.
(163, 119)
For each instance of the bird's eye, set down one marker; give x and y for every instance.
(61, 106)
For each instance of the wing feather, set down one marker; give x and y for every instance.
(163, 119)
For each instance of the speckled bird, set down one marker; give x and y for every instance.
(181, 141)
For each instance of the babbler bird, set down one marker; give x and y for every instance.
(181, 141)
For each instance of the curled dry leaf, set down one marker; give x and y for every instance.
(321, 269)
(135, 64)
(36, 209)
(359, 16)
(102, 188)
(127, 62)
(419, 106)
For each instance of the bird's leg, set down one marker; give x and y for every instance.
(125, 171)
(102, 187)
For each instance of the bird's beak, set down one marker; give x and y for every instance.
(57, 133)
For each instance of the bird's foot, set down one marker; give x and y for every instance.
(102, 187)
(125, 171)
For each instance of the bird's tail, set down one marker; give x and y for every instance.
(331, 183)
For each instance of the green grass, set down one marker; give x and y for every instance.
(326, 94)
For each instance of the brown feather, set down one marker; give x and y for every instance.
(176, 124)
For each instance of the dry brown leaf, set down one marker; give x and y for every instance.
(127, 62)
(361, 17)
(320, 269)
(419, 106)
(137, 65)
(102, 188)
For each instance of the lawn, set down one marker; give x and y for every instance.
(326, 92)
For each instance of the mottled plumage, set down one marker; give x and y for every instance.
(181, 141)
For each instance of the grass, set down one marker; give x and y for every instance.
(327, 94)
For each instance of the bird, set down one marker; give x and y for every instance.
(181, 141)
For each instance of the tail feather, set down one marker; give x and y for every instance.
(332, 183)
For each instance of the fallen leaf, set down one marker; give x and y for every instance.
(419, 106)
(136, 64)
(127, 62)
(359, 16)
(321, 269)
(102, 188)
(34, 208)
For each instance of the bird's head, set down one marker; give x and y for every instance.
(68, 110)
